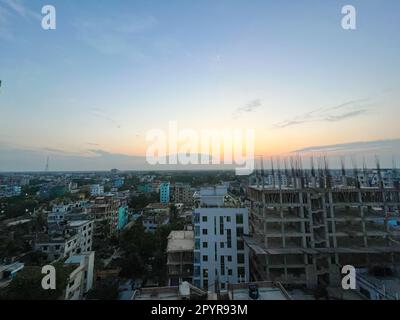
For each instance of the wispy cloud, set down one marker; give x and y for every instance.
(10, 10)
(336, 113)
(92, 144)
(111, 38)
(20, 9)
(100, 113)
(358, 146)
(248, 108)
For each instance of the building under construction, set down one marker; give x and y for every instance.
(304, 232)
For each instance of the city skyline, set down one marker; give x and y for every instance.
(87, 93)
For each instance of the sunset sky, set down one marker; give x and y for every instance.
(113, 70)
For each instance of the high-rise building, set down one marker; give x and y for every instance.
(164, 192)
(305, 235)
(220, 257)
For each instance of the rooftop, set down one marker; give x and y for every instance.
(266, 291)
(78, 223)
(156, 205)
(180, 241)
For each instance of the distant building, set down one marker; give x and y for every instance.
(155, 215)
(96, 190)
(119, 182)
(164, 192)
(123, 217)
(104, 210)
(10, 191)
(145, 188)
(151, 221)
(220, 257)
(180, 257)
(183, 193)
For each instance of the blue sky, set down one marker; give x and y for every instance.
(112, 70)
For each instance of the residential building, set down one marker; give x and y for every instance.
(104, 210)
(155, 215)
(183, 193)
(119, 182)
(75, 238)
(96, 190)
(123, 216)
(164, 192)
(81, 278)
(152, 220)
(10, 191)
(220, 257)
(180, 257)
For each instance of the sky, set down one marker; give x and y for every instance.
(86, 94)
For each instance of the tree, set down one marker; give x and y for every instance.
(106, 290)
(28, 284)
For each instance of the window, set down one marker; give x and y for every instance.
(239, 218)
(230, 258)
(197, 231)
(205, 284)
(197, 271)
(241, 273)
(229, 238)
(222, 245)
(221, 225)
(240, 245)
(197, 244)
(222, 265)
(205, 231)
(205, 258)
(239, 231)
(229, 272)
(228, 219)
(205, 273)
(205, 244)
(197, 258)
(204, 218)
(223, 286)
(240, 258)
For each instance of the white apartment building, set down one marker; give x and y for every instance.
(96, 190)
(220, 256)
(76, 240)
(81, 278)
